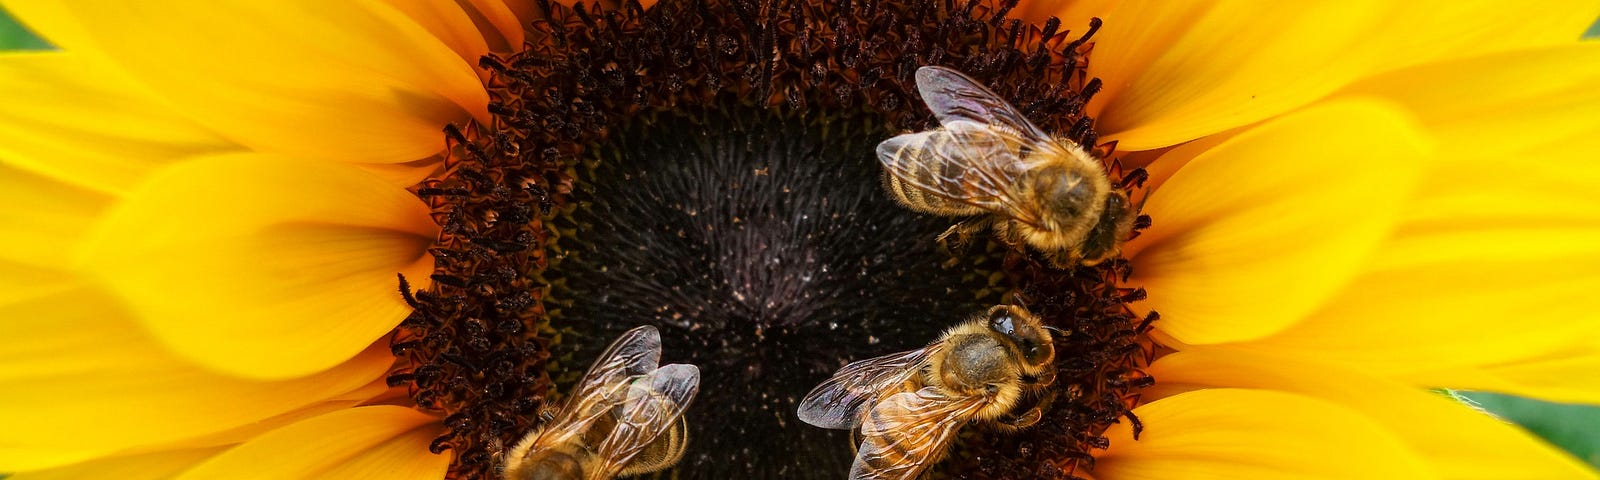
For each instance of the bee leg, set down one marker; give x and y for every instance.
(1063, 261)
(1025, 420)
(963, 232)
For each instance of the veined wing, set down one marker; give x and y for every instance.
(909, 432)
(968, 163)
(839, 401)
(955, 97)
(653, 404)
(636, 352)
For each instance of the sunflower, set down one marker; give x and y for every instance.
(1347, 204)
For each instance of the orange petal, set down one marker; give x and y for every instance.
(146, 466)
(1252, 234)
(1249, 434)
(352, 81)
(1074, 15)
(499, 24)
(1457, 441)
(449, 22)
(83, 379)
(369, 442)
(265, 266)
(88, 125)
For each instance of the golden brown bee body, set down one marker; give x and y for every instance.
(910, 405)
(987, 158)
(624, 418)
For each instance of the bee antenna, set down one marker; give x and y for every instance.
(1058, 331)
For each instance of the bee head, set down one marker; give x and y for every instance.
(1026, 333)
(1113, 226)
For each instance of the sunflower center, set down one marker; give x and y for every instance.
(764, 248)
(707, 167)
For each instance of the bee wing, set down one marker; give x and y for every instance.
(955, 97)
(837, 402)
(636, 352)
(908, 432)
(654, 403)
(965, 162)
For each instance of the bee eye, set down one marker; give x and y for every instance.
(1002, 322)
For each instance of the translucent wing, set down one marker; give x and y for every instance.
(955, 97)
(636, 352)
(908, 432)
(965, 162)
(838, 402)
(575, 418)
(653, 404)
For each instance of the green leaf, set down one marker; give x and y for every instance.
(1572, 427)
(14, 36)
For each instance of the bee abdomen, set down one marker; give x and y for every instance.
(887, 454)
(553, 466)
(920, 200)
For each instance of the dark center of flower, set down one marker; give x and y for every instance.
(764, 248)
(707, 167)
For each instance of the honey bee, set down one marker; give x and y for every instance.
(986, 157)
(624, 418)
(909, 405)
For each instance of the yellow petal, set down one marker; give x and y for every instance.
(372, 393)
(265, 266)
(88, 125)
(369, 442)
(44, 218)
(147, 466)
(1465, 300)
(1498, 256)
(1247, 434)
(1528, 98)
(353, 81)
(1251, 235)
(1568, 376)
(1455, 440)
(1493, 266)
(1421, 32)
(83, 379)
(1176, 71)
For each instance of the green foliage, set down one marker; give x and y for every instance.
(13, 36)
(1574, 428)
